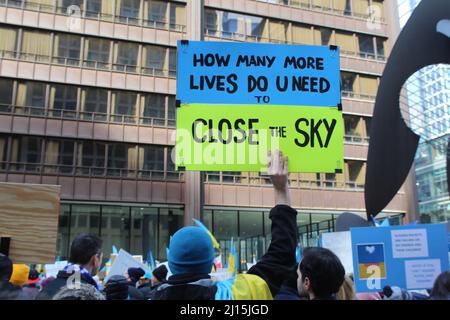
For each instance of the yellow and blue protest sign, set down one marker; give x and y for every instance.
(410, 257)
(237, 101)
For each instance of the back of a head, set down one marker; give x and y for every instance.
(81, 291)
(441, 287)
(6, 268)
(324, 270)
(191, 252)
(117, 288)
(160, 273)
(83, 247)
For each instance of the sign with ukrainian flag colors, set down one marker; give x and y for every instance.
(410, 257)
(236, 101)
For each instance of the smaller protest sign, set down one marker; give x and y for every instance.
(123, 262)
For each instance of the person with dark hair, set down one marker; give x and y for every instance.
(320, 274)
(8, 291)
(158, 277)
(31, 288)
(441, 287)
(133, 275)
(84, 262)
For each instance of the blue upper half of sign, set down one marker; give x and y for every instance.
(238, 73)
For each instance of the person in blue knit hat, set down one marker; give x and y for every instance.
(191, 251)
(191, 254)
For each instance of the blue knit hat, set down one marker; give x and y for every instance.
(191, 251)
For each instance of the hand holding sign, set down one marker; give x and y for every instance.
(278, 172)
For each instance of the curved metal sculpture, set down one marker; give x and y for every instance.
(424, 41)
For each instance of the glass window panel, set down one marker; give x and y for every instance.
(67, 49)
(127, 55)
(6, 89)
(155, 60)
(8, 43)
(96, 101)
(129, 10)
(81, 221)
(144, 231)
(366, 47)
(121, 158)
(65, 4)
(225, 224)
(97, 53)
(250, 224)
(177, 16)
(115, 228)
(91, 157)
(65, 100)
(125, 107)
(157, 14)
(63, 240)
(154, 109)
(170, 221)
(151, 158)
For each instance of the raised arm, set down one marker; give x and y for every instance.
(280, 257)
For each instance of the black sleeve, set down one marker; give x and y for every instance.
(279, 259)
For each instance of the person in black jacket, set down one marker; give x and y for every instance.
(191, 253)
(158, 278)
(84, 262)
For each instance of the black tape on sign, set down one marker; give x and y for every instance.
(182, 169)
(339, 106)
(184, 42)
(338, 171)
(178, 103)
(333, 48)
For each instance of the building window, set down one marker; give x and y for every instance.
(356, 174)
(64, 5)
(154, 112)
(8, 43)
(154, 60)
(177, 16)
(91, 158)
(94, 104)
(129, 11)
(381, 51)
(26, 154)
(6, 89)
(36, 46)
(366, 47)
(170, 220)
(122, 160)
(59, 156)
(348, 82)
(352, 128)
(67, 49)
(63, 101)
(171, 111)
(30, 98)
(126, 55)
(97, 53)
(151, 161)
(368, 85)
(3, 151)
(124, 107)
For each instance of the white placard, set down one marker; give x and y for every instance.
(409, 243)
(123, 261)
(340, 243)
(421, 273)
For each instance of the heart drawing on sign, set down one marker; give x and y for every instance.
(370, 249)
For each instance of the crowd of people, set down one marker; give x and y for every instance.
(320, 274)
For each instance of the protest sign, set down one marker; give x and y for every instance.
(237, 101)
(217, 72)
(237, 137)
(123, 262)
(340, 243)
(410, 257)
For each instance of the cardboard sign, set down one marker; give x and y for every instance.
(238, 137)
(29, 215)
(123, 262)
(410, 257)
(340, 243)
(251, 73)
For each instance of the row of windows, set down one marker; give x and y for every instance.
(148, 13)
(236, 26)
(90, 52)
(432, 185)
(353, 177)
(356, 8)
(85, 158)
(135, 229)
(86, 103)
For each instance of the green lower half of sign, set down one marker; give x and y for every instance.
(238, 137)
